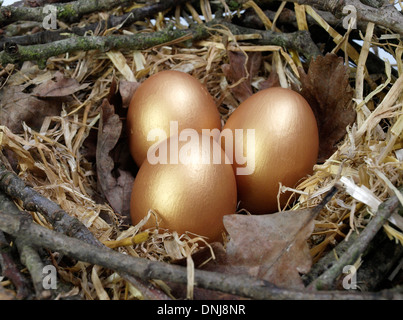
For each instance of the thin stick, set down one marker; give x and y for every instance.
(241, 285)
(41, 52)
(28, 255)
(68, 12)
(11, 271)
(14, 187)
(326, 281)
(386, 16)
(31, 259)
(137, 14)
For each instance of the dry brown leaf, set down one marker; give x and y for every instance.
(237, 70)
(327, 90)
(126, 90)
(114, 182)
(16, 107)
(272, 80)
(61, 86)
(271, 247)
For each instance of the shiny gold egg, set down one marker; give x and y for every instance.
(168, 102)
(283, 146)
(189, 185)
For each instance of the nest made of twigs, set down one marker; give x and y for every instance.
(369, 160)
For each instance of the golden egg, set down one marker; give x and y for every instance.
(188, 183)
(165, 104)
(282, 148)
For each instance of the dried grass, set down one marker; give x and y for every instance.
(368, 162)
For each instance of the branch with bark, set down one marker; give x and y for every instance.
(24, 230)
(67, 12)
(328, 278)
(137, 14)
(11, 271)
(13, 53)
(14, 187)
(140, 41)
(240, 285)
(299, 40)
(52, 43)
(380, 258)
(71, 238)
(30, 257)
(383, 14)
(11, 14)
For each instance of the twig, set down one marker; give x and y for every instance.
(326, 281)
(380, 257)
(378, 263)
(241, 285)
(328, 260)
(287, 19)
(144, 12)
(138, 14)
(386, 16)
(11, 271)
(40, 37)
(28, 255)
(41, 3)
(40, 53)
(299, 40)
(31, 259)
(14, 187)
(68, 12)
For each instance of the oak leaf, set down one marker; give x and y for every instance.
(272, 80)
(126, 90)
(326, 88)
(272, 247)
(17, 106)
(114, 180)
(242, 68)
(59, 86)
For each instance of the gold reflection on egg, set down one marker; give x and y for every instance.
(285, 146)
(165, 97)
(190, 194)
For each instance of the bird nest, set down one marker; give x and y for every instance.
(59, 149)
